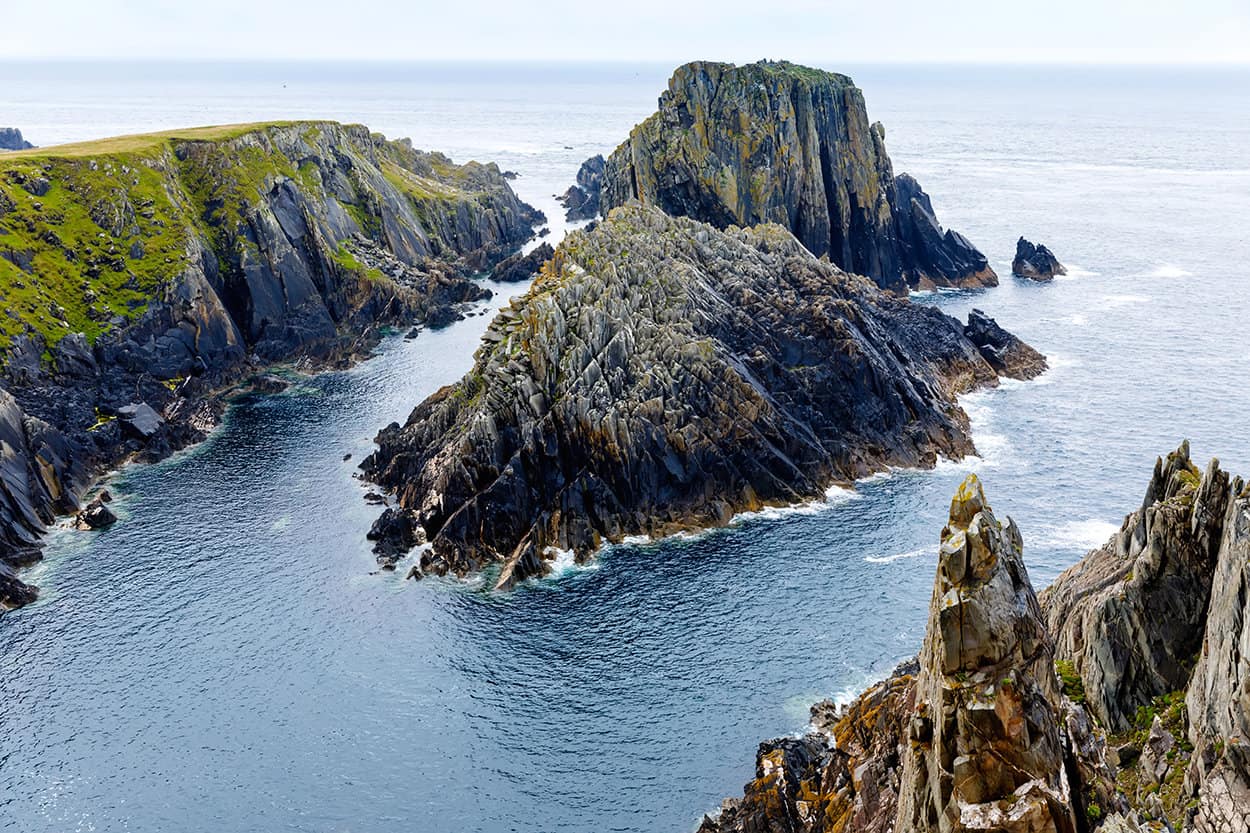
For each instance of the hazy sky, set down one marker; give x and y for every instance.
(1138, 31)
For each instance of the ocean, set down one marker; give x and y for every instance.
(226, 659)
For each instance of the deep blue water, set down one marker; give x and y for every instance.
(223, 659)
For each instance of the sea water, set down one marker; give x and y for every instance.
(225, 658)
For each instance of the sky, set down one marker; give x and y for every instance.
(912, 31)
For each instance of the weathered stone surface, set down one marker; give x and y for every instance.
(775, 142)
(661, 375)
(1130, 616)
(1218, 700)
(973, 735)
(235, 248)
(1035, 262)
(11, 139)
(985, 750)
(521, 267)
(1006, 353)
(582, 198)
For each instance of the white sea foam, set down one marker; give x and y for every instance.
(563, 562)
(1076, 272)
(899, 556)
(1083, 534)
(1168, 270)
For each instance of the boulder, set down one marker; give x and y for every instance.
(1035, 262)
(140, 419)
(96, 514)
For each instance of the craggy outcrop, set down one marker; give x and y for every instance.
(143, 274)
(1006, 353)
(1035, 262)
(1218, 701)
(521, 267)
(777, 143)
(985, 749)
(973, 735)
(582, 198)
(1130, 616)
(662, 375)
(11, 139)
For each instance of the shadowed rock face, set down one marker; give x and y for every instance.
(193, 263)
(1035, 262)
(775, 142)
(11, 139)
(582, 199)
(1131, 615)
(662, 375)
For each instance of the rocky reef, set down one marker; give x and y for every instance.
(662, 375)
(1035, 262)
(1115, 701)
(582, 198)
(780, 143)
(11, 139)
(144, 274)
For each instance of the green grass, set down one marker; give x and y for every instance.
(1073, 687)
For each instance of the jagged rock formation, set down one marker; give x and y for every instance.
(582, 198)
(775, 142)
(1218, 701)
(11, 139)
(1130, 616)
(1006, 353)
(985, 749)
(662, 375)
(974, 735)
(1179, 760)
(143, 274)
(521, 267)
(1035, 262)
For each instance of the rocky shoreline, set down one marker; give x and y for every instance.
(662, 375)
(150, 275)
(1113, 701)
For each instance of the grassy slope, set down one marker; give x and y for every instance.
(114, 223)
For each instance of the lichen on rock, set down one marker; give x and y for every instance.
(662, 375)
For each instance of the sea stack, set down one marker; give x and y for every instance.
(11, 139)
(582, 198)
(1035, 262)
(662, 375)
(776, 142)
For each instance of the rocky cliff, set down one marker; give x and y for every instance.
(11, 139)
(1142, 726)
(774, 142)
(142, 274)
(582, 198)
(662, 375)
(974, 735)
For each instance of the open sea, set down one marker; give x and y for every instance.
(224, 658)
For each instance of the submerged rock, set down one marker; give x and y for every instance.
(776, 142)
(1035, 262)
(662, 375)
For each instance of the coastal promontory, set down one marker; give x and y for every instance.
(663, 374)
(774, 142)
(143, 275)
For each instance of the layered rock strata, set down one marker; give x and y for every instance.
(582, 198)
(662, 375)
(1035, 262)
(143, 274)
(1142, 728)
(973, 735)
(775, 142)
